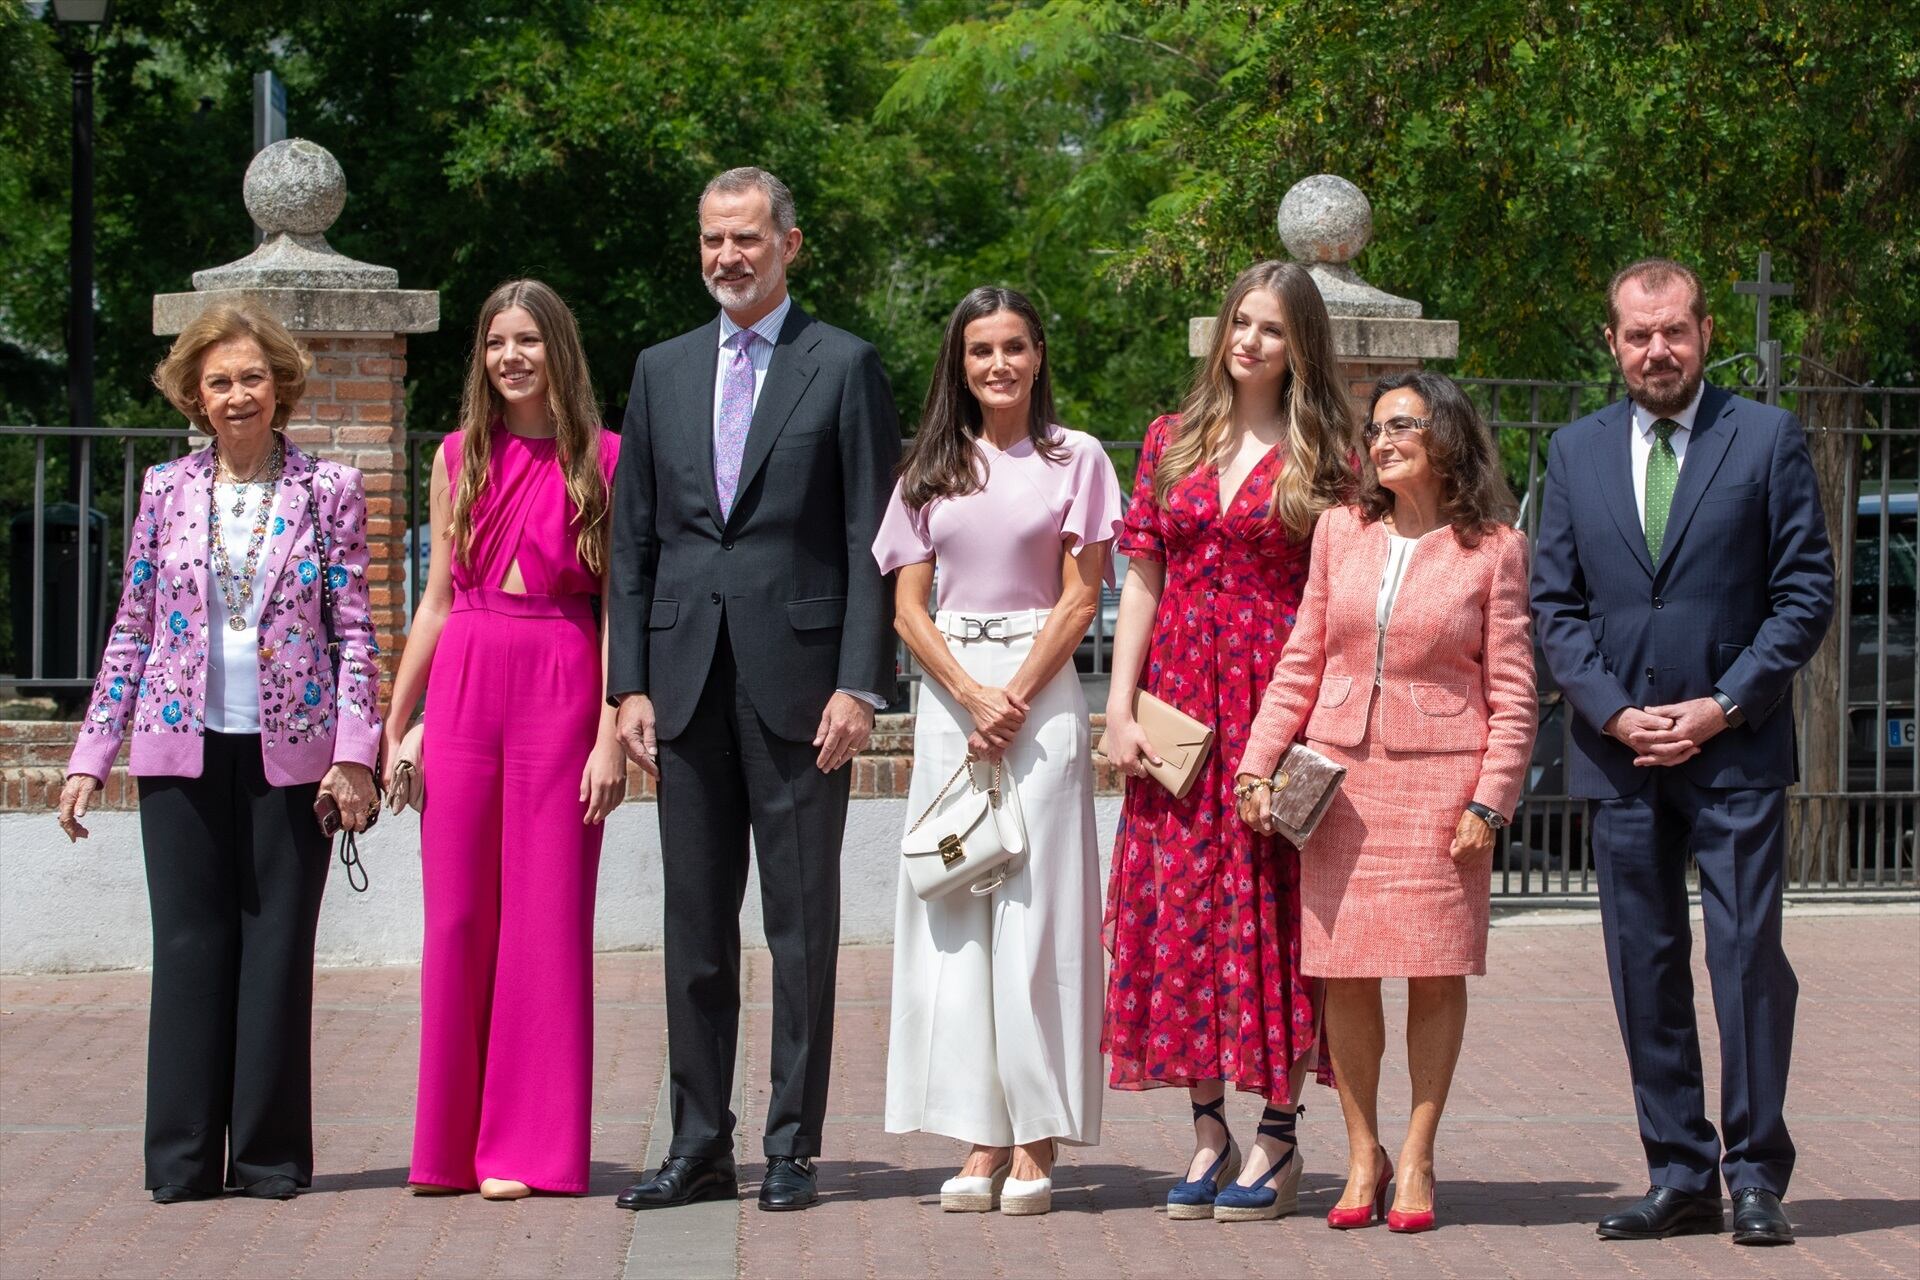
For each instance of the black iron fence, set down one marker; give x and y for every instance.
(1854, 811)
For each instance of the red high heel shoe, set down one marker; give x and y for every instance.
(1365, 1215)
(1411, 1223)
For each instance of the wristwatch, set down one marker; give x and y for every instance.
(1731, 709)
(1489, 816)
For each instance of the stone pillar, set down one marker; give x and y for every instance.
(354, 319)
(1325, 221)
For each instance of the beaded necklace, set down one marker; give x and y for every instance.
(237, 589)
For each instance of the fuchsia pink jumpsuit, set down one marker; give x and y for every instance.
(508, 863)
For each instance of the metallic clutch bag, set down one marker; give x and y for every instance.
(1303, 786)
(1178, 739)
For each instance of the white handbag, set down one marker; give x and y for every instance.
(967, 837)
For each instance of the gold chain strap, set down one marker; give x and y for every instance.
(966, 766)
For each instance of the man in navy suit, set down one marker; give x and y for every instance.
(1683, 576)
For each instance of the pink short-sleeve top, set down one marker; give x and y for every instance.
(998, 548)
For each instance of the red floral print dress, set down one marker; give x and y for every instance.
(1203, 914)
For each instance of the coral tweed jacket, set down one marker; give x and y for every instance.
(313, 710)
(1458, 674)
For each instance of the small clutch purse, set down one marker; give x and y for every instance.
(1178, 739)
(967, 838)
(1303, 786)
(409, 787)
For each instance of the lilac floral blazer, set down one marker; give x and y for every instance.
(313, 711)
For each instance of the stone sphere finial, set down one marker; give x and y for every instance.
(1326, 219)
(295, 186)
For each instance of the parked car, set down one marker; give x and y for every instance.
(1882, 579)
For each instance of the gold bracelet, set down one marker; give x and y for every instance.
(1242, 790)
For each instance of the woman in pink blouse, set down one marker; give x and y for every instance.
(519, 760)
(247, 699)
(996, 998)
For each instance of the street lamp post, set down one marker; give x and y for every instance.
(81, 18)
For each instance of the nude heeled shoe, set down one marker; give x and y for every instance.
(503, 1189)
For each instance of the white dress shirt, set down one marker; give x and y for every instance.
(761, 354)
(1641, 439)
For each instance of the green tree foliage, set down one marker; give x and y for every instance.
(1515, 152)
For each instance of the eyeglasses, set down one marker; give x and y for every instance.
(1395, 429)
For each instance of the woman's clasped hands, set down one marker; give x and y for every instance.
(997, 717)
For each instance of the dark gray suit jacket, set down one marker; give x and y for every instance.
(792, 567)
(1738, 601)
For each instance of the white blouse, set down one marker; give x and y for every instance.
(233, 657)
(1399, 552)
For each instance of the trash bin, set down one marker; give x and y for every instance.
(60, 594)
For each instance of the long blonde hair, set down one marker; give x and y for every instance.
(570, 402)
(1320, 436)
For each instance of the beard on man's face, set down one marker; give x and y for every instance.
(737, 291)
(1664, 389)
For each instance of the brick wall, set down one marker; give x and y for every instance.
(355, 412)
(33, 758)
(1360, 375)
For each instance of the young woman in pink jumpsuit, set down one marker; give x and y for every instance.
(505, 641)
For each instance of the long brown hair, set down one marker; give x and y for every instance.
(1319, 421)
(1474, 496)
(942, 462)
(570, 403)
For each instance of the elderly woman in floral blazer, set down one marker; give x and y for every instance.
(243, 655)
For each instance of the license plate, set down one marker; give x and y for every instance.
(1901, 731)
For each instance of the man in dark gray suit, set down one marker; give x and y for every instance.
(751, 640)
(1683, 576)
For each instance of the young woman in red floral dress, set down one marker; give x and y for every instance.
(1202, 913)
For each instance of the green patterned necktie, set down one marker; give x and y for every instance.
(1663, 473)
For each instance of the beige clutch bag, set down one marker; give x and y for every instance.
(1303, 786)
(1178, 739)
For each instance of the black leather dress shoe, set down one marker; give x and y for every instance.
(789, 1184)
(174, 1193)
(1758, 1218)
(1665, 1212)
(277, 1186)
(683, 1180)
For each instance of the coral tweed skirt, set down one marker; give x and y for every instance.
(1380, 895)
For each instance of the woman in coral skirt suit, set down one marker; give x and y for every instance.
(1412, 666)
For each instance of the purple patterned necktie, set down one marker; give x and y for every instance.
(736, 415)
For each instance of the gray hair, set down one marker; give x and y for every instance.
(749, 178)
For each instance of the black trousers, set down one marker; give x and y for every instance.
(1739, 840)
(235, 871)
(726, 777)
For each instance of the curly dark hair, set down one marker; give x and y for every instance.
(1474, 496)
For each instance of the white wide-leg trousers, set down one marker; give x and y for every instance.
(997, 1000)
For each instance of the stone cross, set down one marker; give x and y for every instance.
(1764, 289)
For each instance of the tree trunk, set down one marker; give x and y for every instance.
(1821, 832)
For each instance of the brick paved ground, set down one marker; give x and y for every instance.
(1538, 1143)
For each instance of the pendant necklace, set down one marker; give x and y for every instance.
(242, 483)
(237, 589)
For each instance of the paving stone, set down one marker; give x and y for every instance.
(1538, 1142)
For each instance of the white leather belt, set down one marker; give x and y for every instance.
(990, 626)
